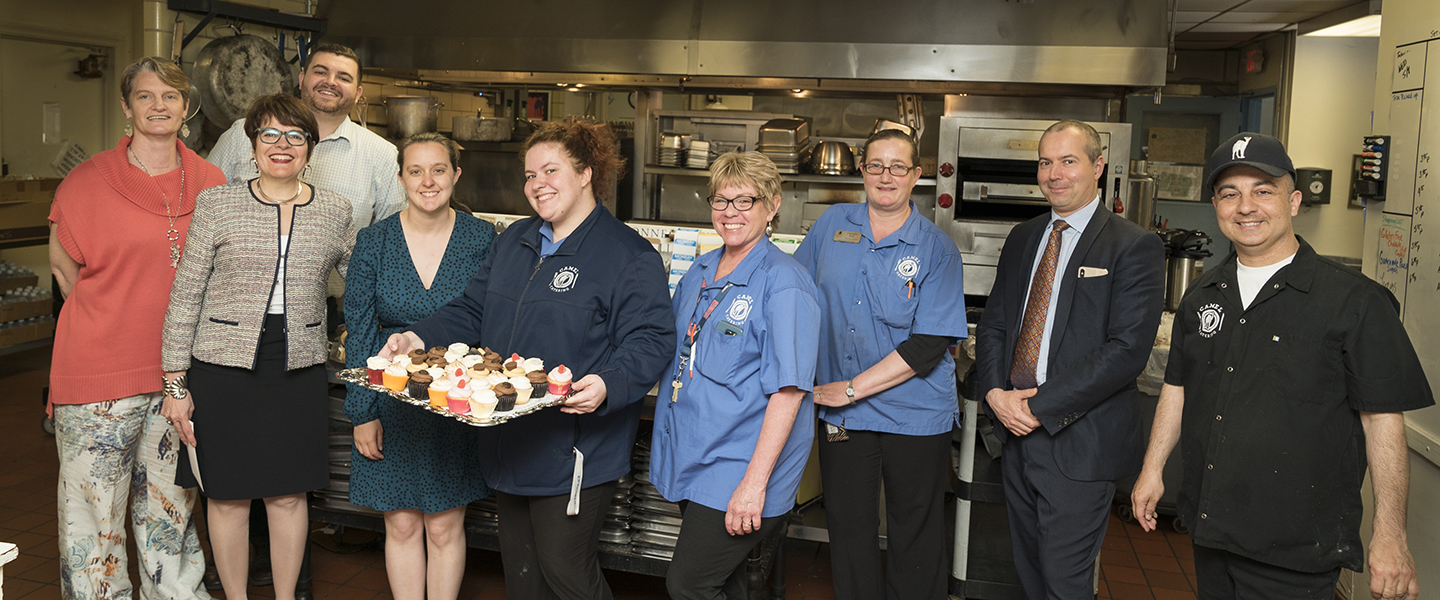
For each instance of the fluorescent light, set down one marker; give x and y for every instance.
(1368, 26)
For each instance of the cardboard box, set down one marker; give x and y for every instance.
(29, 190)
(11, 336)
(25, 310)
(22, 221)
(14, 283)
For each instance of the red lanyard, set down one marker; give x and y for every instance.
(696, 327)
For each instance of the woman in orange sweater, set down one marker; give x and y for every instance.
(117, 230)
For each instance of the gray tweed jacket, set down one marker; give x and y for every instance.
(223, 284)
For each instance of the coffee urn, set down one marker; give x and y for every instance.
(1185, 254)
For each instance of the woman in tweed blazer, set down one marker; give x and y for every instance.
(246, 328)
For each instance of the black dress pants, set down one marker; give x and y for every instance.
(913, 469)
(1056, 523)
(709, 563)
(549, 555)
(1222, 575)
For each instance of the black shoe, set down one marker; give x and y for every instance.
(260, 574)
(211, 578)
(304, 595)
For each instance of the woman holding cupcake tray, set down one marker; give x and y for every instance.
(577, 287)
(404, 461)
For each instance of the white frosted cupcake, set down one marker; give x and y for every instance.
(458, 348)
(495, 379)
(482, 404)
(452, 357)
(470, 360)
(523, 389)
(533, 364)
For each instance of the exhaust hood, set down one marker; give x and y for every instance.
(1050, 42)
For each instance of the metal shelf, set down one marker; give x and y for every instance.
(798, 178)
(246, 13)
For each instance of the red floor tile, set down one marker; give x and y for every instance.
(1123, 574)
(1171, 581)
(1130, 591)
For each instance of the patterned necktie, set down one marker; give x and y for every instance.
(1027, 350)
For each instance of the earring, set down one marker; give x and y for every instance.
(185, 130)
(129, 130)
(768, 229)
(305, 172)
(254, 165)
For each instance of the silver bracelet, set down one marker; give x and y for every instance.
(176, 388)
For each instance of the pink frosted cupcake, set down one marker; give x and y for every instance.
(559, 379)
(459, 397)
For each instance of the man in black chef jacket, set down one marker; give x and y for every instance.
(1288, 374)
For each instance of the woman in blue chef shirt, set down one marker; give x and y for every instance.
(892, 302)
(733, 422)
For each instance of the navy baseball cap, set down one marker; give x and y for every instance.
(1256, 150)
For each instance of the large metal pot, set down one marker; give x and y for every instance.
(409, 115)
(482, 129)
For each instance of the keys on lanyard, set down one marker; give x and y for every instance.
(688, 349)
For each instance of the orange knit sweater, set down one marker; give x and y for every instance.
(111, 218)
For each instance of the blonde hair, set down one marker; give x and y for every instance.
(740, 169)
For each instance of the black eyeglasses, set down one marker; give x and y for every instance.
(271, 135)
(896, 170)
(743, 203)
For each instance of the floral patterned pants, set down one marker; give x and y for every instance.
(113, 453)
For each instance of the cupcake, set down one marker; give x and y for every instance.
(451, 356)
(459, 397)
(375, 369)
(559, 380)
(420, 354)
(459, 348)
(437, 351)
(470, 360)
(538, 380)
(522, 390)
(456, 373)
(438, 391)
(482, 404)
(436, 372)
(436, 361)
(491, 355)
(475, 352)
(513, 369)
(478, 373)
(395, 377)
(534, 364)
(413, 365)
(494, 379)
(506, 393)
(419, 385)
(492, 365)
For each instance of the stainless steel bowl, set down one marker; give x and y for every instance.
(833, 158)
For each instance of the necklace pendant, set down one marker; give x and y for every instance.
(174, 255)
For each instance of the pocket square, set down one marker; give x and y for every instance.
(1093, 272)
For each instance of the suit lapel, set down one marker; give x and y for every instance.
(1071, 275)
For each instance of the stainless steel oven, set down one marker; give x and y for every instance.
(986, 184)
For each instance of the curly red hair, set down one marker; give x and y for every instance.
(590, 145)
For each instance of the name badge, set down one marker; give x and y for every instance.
(849, 237)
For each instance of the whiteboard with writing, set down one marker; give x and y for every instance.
(1408, 252)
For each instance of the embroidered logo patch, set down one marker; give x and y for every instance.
(908, 267)
(739, 309)
(1212, 317)
(564, 279)
(1237, 152)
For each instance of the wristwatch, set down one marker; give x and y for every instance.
(850, 390)
(177, 388)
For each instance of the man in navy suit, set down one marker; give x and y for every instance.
(1067, 329)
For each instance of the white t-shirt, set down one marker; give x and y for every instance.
(1251, 279)
(277, 293)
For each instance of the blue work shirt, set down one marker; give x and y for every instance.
(1069, 238)
(704, 441)
(875, 295)
(548, 245)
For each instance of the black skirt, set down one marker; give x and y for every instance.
(259, 433)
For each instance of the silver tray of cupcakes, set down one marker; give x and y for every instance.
(472, 385)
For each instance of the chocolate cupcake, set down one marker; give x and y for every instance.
(418, 355)
(436, 361)
(440, 350)
(492, 365)
(506, 394)
(538, 379)
(420, 385)
(492, 355)
(476, 352)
